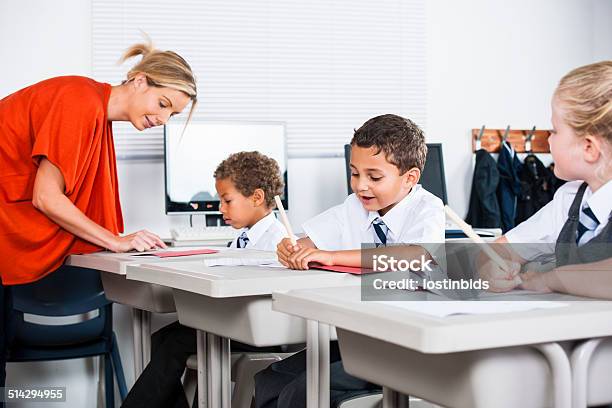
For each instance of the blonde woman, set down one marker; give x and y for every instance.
(575, 226)
(58, 177)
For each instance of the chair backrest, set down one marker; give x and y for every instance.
(65, 292)
(69, 290)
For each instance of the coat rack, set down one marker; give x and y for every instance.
(522, 140)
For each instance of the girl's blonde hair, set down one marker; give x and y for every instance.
(162, 69)
(587, 95)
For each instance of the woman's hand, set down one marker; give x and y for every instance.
(140, 241)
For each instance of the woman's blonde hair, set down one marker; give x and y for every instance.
(162, 69)
(587, 95)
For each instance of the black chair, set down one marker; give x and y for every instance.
(66, 292)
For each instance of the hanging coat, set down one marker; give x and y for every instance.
(509, 187)
(536, 188)
(483, 210)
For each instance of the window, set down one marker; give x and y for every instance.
(323, 67)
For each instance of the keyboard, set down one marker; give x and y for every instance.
(203, 234)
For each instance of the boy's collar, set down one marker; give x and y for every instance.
(259, 228)
(394, 218)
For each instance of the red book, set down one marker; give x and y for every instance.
(354, 270)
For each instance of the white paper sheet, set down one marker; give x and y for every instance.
(241, 262)
(449, 308)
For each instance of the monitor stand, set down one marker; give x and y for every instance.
(213, 220)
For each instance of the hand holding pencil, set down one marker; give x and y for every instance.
(503, 275)
(288, 246)
(285, 220)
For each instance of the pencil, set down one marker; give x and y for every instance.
(284, 219)
(494, 256)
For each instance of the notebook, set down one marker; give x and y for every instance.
(354, 270)
(170, 254)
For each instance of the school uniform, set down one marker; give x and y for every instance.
(160, 385)
(536, 188)
(417, 218)
(264, 235)
(509, 187)
(561, 230)
(483, 210)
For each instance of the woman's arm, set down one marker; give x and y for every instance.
(49, 198)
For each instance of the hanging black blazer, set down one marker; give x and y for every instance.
(537, 188)
(509, 187)
(483, 210)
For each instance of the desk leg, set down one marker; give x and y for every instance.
(317, 364)
(202, 385)
(324, 373)
(226, 372)
(561, 373)
(580, 359)
(137, 332)
(312, 366)
(393, 399)
(146, 338)
(218, 372)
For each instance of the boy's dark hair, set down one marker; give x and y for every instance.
(400, 139)
(250, 171)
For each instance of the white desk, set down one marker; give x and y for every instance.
(225, 303)
(402, 338)
(144, 298)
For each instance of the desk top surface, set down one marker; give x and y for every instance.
(342, 307)
(232, 281)
(117, 262)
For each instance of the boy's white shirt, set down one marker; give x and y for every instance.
(544, 227)
(417, 218)
(264, 235)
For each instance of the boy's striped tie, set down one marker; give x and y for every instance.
(243, 240)
(381, 230)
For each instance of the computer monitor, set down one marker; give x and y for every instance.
(192, 157)
(432, 178)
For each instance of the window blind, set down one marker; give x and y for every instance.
(323, 67)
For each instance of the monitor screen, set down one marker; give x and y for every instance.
(192, 157)
(432, 178)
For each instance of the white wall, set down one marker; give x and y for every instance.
(41, 39)
(496, 63)
(490, 62)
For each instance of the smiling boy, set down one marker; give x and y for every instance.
(388, 205)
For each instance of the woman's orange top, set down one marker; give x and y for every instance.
(64, 120)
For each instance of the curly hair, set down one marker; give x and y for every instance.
(400, 139)
(250, 171)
